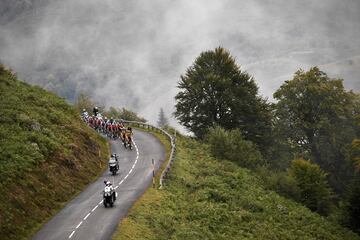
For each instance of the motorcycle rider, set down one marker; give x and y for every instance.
(109, 184)
(115, 157)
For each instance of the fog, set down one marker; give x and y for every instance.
(131, 53)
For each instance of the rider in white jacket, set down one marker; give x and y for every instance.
(109, 185)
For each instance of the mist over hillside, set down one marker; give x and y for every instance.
(131, 53)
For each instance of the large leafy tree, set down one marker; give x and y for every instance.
(353, 205)
(317, 117)
(353, 196)
(214, 91)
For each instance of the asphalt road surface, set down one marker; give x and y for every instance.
(85, 217)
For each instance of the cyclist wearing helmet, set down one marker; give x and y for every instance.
(128, 136)
(96, 111)
(85, 115)
(129, 133)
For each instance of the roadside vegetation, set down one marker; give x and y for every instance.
(208, 198)
(47, 156)
(304, 145)
(255, 169)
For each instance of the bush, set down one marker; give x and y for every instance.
(124, 114)
(280, 182)
(315, 192)
(232, 146)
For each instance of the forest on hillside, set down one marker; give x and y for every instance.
(305, 145)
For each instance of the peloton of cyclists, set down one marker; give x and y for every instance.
(111, 127)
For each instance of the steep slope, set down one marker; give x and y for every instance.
(208, 199)
(47, 155)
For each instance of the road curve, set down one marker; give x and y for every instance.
(85, 217)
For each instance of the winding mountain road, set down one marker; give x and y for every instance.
(85, 217)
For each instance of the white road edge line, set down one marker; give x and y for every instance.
(95, 208)
(86, 216)
(127, 175)
(79, 225)
(72, 234)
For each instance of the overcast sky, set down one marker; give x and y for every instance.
(131, 53)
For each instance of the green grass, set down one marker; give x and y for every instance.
(47, 156)
(206, 198)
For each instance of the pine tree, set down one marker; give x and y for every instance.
(163, 121)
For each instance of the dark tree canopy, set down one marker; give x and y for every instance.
(214, 91)
(317, 116)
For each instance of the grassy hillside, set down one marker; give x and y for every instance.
(47, 155)
(209, 199)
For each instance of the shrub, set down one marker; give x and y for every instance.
(232, 146)
(315, 192)
(280, 182)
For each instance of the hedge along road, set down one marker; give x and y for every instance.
(85, 217)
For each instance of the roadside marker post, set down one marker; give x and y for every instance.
(153, 167)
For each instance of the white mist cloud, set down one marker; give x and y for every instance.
(131, 53)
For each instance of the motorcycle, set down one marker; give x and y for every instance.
(113, 165)
(109, 196)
